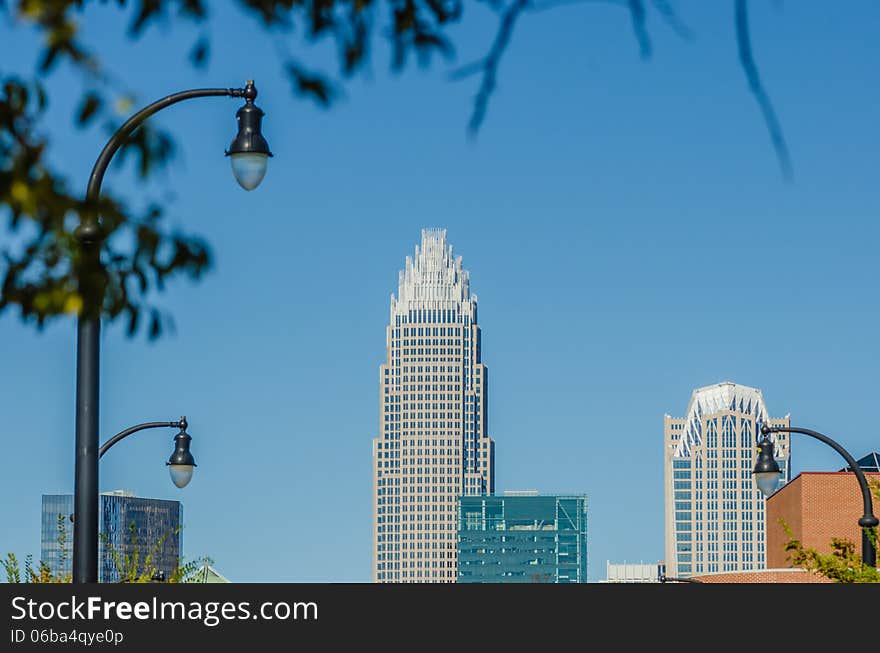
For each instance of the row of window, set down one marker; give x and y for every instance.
(423, 400)
(427, 358)
(435, 521)
(452, 353)
(411, 454)
(436, 387)
(443, 536)
(430, 331)
(418, 555)
(414, 442)
(443, 342)
(420, 376)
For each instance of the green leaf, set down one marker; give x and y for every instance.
(88, 108)
(198, 56)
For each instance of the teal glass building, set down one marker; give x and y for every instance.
(126, 523)
(522, 538)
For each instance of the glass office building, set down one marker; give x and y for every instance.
(127, 524)
(522, 538)
(56, 533)
(433, 443)
(867, 463)
(715, 519)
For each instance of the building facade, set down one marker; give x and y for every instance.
(714, 512)
(433, 444)
(126, 523)
(522, 538)
(816, 506)
(631, 572)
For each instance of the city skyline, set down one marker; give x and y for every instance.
(624, 220)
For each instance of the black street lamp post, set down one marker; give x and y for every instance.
(180, 464)
(767, 475)
(249, 153)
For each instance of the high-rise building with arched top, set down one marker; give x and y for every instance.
(715, 518)
(433, 444)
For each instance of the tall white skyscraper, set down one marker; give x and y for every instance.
(714, 512)
(433, 444)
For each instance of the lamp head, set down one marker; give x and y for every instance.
(181, 463)
(766, 471)
(249, 152)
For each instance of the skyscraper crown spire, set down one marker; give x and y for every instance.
(433, 278)
(713, 398)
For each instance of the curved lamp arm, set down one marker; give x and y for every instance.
(181, 424)
(89, 229)
(868, 519)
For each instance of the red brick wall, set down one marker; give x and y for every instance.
(786, 504)
(765, 576)
(817, 506)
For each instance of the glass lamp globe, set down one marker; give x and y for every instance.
(181, 475)
(767, 482)
(249, 168)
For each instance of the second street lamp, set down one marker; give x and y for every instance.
(767, 475)
(249, 153)
(181, 462)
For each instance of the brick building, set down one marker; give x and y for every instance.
(817, 506)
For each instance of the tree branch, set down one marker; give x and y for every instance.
(747, 61)
(491, 62)
(637, 14)
(671, 18)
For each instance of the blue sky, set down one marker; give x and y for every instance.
(624, 221)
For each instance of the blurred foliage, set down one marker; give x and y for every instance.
(42, 574)
(140, 567)
(45, 271)
(136, 566)
(844, 563)
(196, 571)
